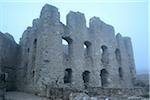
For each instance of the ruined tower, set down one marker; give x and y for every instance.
(93, 56)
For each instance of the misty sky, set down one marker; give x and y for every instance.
(129, 17)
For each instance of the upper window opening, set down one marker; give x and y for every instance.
(87, 48)
(118, 56)
(35, 43)
(28, 50)
(105, 54)
(67, 45)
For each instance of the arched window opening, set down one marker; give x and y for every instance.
(28, 50)
(35, 43)
(86, 76)
(3, 76)
(67, 46)
(34, 49)
(105, 54)
(104, 77)
(104, 48)
(120, 72)
(68, 76)
(25, 69)
(87, 48)
(33, 73)
(118, 56)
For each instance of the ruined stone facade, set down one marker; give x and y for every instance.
(93, 56)
(9, 51)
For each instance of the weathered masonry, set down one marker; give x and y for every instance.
(52, 54)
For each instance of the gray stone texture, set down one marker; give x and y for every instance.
(95, 56)
(9, 51)
(8, 63)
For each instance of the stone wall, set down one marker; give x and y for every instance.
(2, 85)
(9, 52)
(115, 91)
(65, 93)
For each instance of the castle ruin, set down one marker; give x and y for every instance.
(91, 57)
